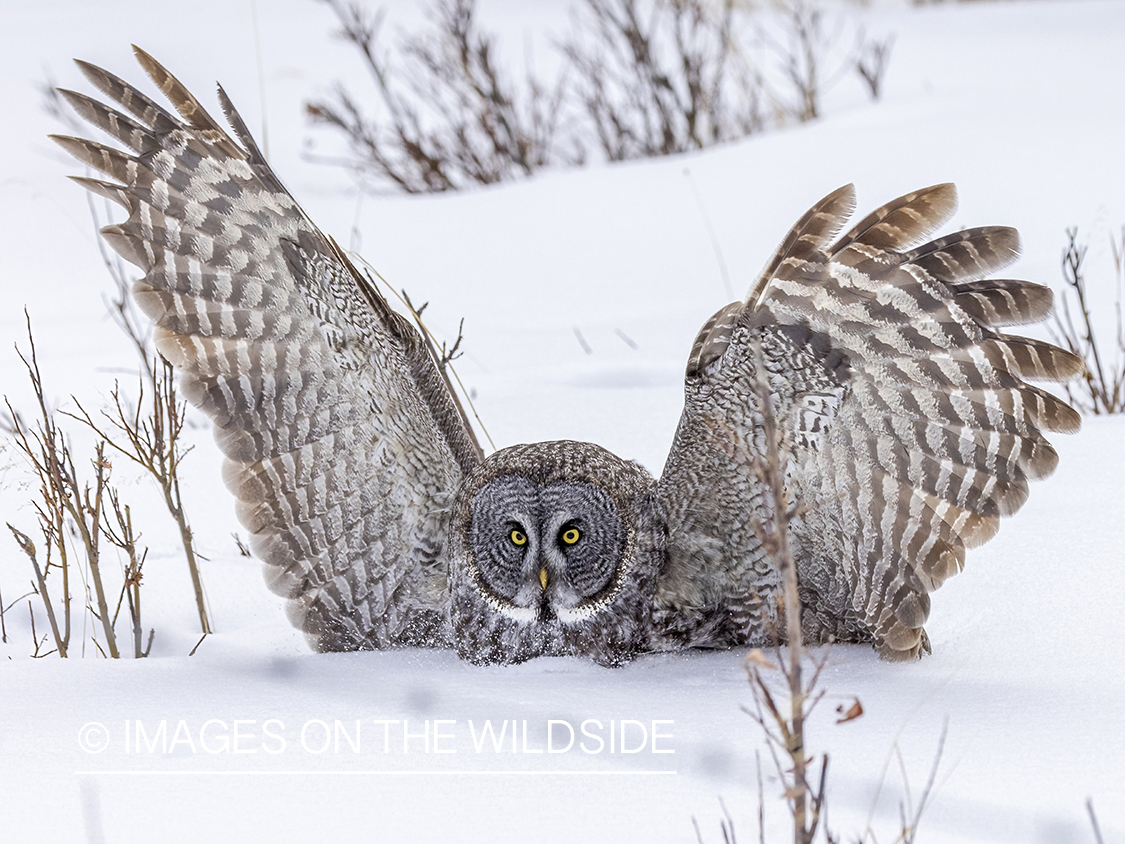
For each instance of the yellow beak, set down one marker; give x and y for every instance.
(543, 578)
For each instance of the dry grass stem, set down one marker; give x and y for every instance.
(1094, 821)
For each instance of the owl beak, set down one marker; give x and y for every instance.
(543, 578)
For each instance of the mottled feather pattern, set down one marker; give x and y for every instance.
(906, 426)
(719, 587)
(345, 495)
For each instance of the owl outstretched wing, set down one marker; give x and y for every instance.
(906, 426)
(343, 444)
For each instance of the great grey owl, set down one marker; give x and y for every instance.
(867, 369)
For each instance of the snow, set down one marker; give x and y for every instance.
(1017, 102)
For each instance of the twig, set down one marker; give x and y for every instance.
(125, 539)
(36, 641)
(444, 366)
(715, 247)
(727, 824)
(197, 644)
(916, 818)
(373, 273)
(582, 341)
(243, 551)
(761, 799)
(28, 547)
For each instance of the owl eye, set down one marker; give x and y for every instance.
(570, 536)
(518, 537)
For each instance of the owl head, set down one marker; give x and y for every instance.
(554, 549)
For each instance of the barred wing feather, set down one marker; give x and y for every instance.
(910, 429)
(342, 443)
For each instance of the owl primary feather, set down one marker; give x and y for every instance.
(868, 368)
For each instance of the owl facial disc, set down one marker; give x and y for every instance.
(545, 553)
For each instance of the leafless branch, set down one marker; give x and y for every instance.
(1102, 387)
(871, 63)
(28, 547)
(152, 440)
(450, 116)
(657, 78)
(63, 499)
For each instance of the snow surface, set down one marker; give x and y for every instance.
(1020, 103)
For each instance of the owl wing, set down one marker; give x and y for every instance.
(906, 428)
(343, 443)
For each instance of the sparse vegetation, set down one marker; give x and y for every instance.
(85, 506)
(71, 512)
(638, 78)
(660, 78)
(75, 513)
(151, 439)
(450, 116)
(1102, 387)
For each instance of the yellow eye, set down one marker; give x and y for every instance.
(570, 536)
(518, 538)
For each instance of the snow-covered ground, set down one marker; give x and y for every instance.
(1020, 103)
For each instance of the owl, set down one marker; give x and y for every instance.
(860, 398)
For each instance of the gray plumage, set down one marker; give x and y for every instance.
(906, 428)
(592, 597)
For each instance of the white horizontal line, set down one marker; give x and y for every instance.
(378, 773)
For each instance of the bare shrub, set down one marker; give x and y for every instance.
(151, 439)
(800, 49)
(1102, 388)
(873, 56)
(147, 435)
(806, 45)
(450, 116)
(69, 506)
(640, 78)
(662, 77)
